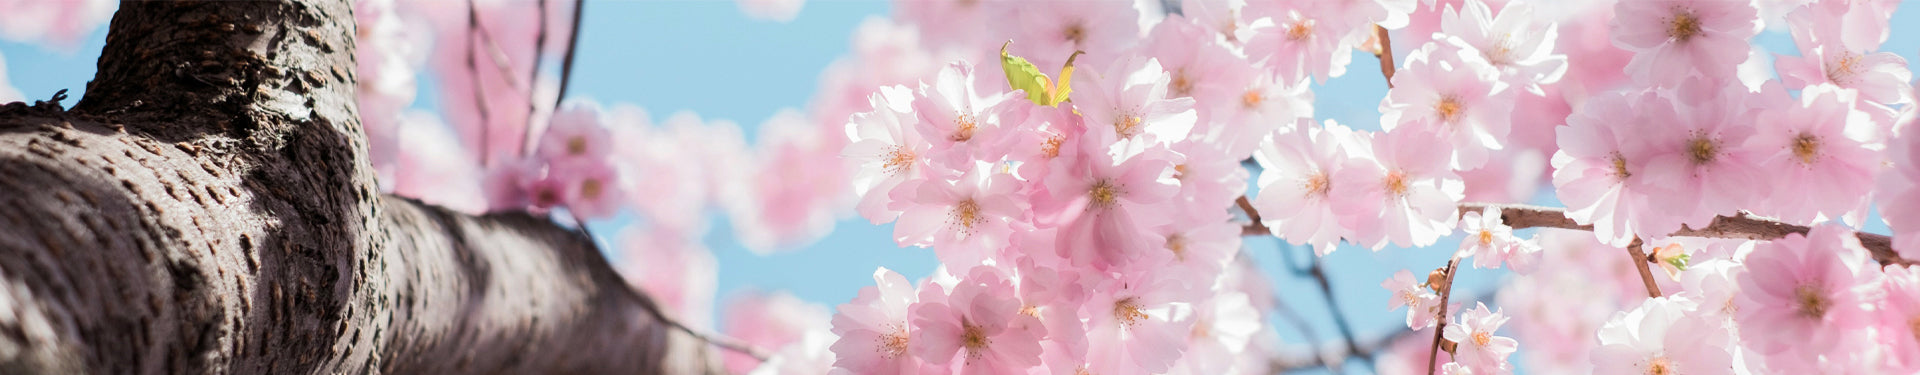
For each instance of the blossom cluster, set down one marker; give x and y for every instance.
(1087, 221)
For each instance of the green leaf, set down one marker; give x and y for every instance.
(1022, 75)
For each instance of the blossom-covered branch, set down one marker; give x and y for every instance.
(1742, 226)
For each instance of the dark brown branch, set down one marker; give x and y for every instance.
(1440, 322)
(1385, 54)
(210, 209)
(1742, 226)
(1640, 260)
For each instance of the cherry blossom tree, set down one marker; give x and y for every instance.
(248, 187)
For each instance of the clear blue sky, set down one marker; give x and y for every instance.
(706, 57)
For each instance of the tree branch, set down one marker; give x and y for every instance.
(1742, 226)
(1440, 322)
(1640, 260)
(210, 208)
(1385, 54)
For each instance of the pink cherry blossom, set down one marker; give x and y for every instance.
(1520, 51)
(810, 355)
(1672, 39)
(1831, 53)
(1899, 195)
(966, 221)
(1130, 102)
(874, 328)
(1818, 152)
(1103, 206)
(964, 24)
(673, 267)
(1478, 349)
(1209, 179)
(1222, 328)
(1303, 41)
(977, 327)
(1895, 315)
(1137, 324)
(1489, 240)
(963, 125)
(1049, 31)
(1595, 172)
(1206, 71)
(1801, 296)
(1363, 14)
(1662, 336)
(1222, 17)
(577, 132)
(1698, 164)
(1423, 306)
(591, 187)
(1298, 166)
(767, 320)
(887, 149)
(61, 23)
(1264, 106)
(1396, 187)
(788, 194)
(434, 168)
(1454, 94)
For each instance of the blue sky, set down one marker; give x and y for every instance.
(706, 57)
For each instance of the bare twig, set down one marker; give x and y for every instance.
(1741, 226)
(1640, 261)
(1333, 307)
(533, 104)
(479, 93)
(1385, 54)
(1440, 325)
(573, 46)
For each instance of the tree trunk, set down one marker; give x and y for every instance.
(209, 208)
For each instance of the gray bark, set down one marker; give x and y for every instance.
(209, 208)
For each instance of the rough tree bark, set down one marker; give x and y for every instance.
(209, 208)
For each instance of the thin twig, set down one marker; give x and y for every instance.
(573, 44)
(1640, 261)
(1440, 326)
(1333, 307)
(539, 47)
(1385, 54)
(479, 93)
(1306, 329)
(715, 339)
(1742, 226)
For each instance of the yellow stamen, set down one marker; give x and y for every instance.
(1319, 185)
(1481, 338)
(1104, 194)
(965, 216)
(1702, 150)
(899, 160)
(1810, 302)
(1448, 109)
(1806, 147)
(1252, 99)
(577, 146)
(1396, 184)
(963, 128)
(1684, 25)
(1127, 311)
(1182, 84)
(1299, 31)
